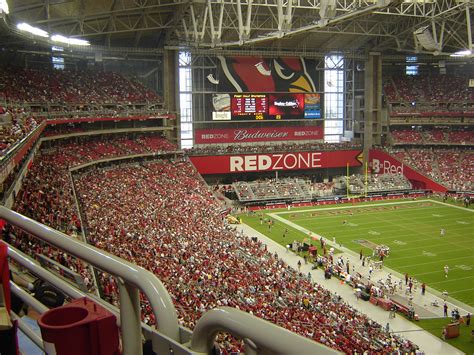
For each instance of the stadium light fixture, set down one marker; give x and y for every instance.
(462, 53)
(4, 7)
(424, 36)
(70, 41)
(33, 30)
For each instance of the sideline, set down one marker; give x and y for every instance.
(452, 302)
(315, 208)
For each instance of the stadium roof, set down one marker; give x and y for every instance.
(437, 27)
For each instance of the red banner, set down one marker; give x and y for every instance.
(246, 135)
(383, 163)
(224, 164)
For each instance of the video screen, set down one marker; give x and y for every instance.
(286, 106)
(312, 106)
(221, 107)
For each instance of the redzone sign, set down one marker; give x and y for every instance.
(275, 162)
(224, 164)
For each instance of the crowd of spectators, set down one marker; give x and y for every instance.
(444, 135)
(161, 216)
(407, 136)
(15, 124)
(438, 92)
(302, 189)
(375, 183)
(452, 167)
(272, 189)
(47, 195)
(21, 85)
(219, 149)
(322, 189)
(461, 136)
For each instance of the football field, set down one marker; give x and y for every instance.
(410, 228)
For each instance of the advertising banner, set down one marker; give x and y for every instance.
(238, 163)
(248, 135)
(381, 162)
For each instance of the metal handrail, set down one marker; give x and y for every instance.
(158, 296)
(161, 343)
(267, 337)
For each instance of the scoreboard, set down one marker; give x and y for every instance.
(249, 106)
(271, 106)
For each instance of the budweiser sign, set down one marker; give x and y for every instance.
(245, 135)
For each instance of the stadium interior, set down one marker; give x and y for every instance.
(197, 177)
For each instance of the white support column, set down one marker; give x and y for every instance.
(193, 18)
(249, 18)
(441, 36)
(204, 23)
(280, 18)
(240, 21)
(211, 22)
(186, 32)
(221, 18)
(469, 29)
(289, 15)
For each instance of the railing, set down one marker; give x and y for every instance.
(259, 336)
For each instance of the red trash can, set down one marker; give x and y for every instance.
(78, 328)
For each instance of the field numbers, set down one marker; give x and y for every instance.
(463, 267)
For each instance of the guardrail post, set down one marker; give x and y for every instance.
(130, 318)
(250, 347)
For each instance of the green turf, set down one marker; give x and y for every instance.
(410, 228)
(464, 342)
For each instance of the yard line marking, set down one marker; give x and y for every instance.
(340, 216)
(434, 272)
(467, 289)
(453, 279)
(314, 209)
(447, 204)
(403, 250)
(430, 262)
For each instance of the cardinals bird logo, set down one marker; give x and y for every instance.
(254, 74)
